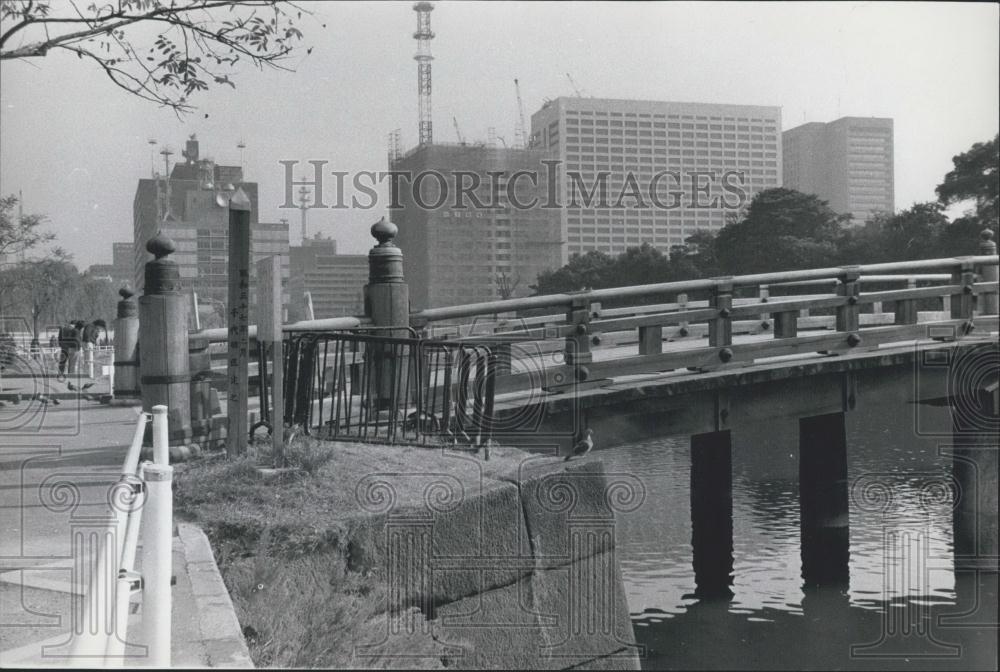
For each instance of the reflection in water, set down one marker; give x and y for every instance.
(902, 581)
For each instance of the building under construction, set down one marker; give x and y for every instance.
(458, 251)
(467, 249)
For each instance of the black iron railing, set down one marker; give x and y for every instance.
(366, 387)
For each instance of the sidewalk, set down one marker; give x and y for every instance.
(56, 464)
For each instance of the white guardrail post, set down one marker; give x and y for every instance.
(157, 563)
(157, 549)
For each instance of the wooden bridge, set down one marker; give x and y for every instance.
(700, 358)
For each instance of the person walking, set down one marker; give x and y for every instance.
(90, 336)
(69, 346)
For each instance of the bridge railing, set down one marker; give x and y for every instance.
(968, 282)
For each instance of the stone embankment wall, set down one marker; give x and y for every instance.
(521, 574)
(457, 562)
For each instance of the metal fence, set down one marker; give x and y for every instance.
(367, 387)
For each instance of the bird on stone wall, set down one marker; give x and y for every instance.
(583, 446)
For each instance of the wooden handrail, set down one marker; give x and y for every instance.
(615, 293)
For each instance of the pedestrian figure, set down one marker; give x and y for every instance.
(90, 336)
(69, 346)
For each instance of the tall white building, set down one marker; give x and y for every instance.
(681, 151)
(848, 162)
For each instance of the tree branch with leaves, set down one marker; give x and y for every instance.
(19, 233)
(198, 43)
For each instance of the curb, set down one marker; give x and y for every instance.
(219, 634)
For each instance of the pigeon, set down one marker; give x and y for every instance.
(71, 386)
(583, 446)
(46, 400)
(87, 386)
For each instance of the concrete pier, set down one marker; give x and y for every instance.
(712, 514)
(823, 500)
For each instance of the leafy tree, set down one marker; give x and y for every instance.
(43, 289)
(975, 177)
(197, 43)
(695, 258)
(782, 229)
(19, 233)
(910, 234)
(582, 271)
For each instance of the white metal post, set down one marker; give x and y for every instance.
(161, 448)
(157, 562)
(111, 374)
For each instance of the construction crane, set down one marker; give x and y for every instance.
(519, 142)
(458, 131)
(576, 89)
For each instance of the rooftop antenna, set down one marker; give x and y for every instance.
(303, 206)
(423, 57)
(458, 131)
(491, 136)
(152, 157)
(166, 152)
(241, 146)
(576, 89)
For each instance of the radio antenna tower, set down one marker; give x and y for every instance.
(423, 36)
(304, 206)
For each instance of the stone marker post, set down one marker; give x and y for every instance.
(387, 300)
(238, 321)
(126, 374)
(164, 374)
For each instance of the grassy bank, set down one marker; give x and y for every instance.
(302, 593)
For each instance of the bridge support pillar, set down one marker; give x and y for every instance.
(126, 346)
(164, 373)
(823, 500)
(975, 426)
(712, 514)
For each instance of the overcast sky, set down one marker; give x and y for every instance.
(76, 145)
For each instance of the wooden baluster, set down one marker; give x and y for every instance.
(578, 343)
(848, 315)
(764, 295)
(786, 324)
(906, 309)
(963, 303)
(682, 304)
(651, 340)
(720, 330)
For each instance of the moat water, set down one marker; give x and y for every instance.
(904, 605)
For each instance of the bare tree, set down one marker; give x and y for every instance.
(507, 285)
(197, 42)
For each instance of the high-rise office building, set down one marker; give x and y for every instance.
(457, 251)
(335, 282)
(191, 208)
(703, 162)
(848, 162)
(122, 263)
